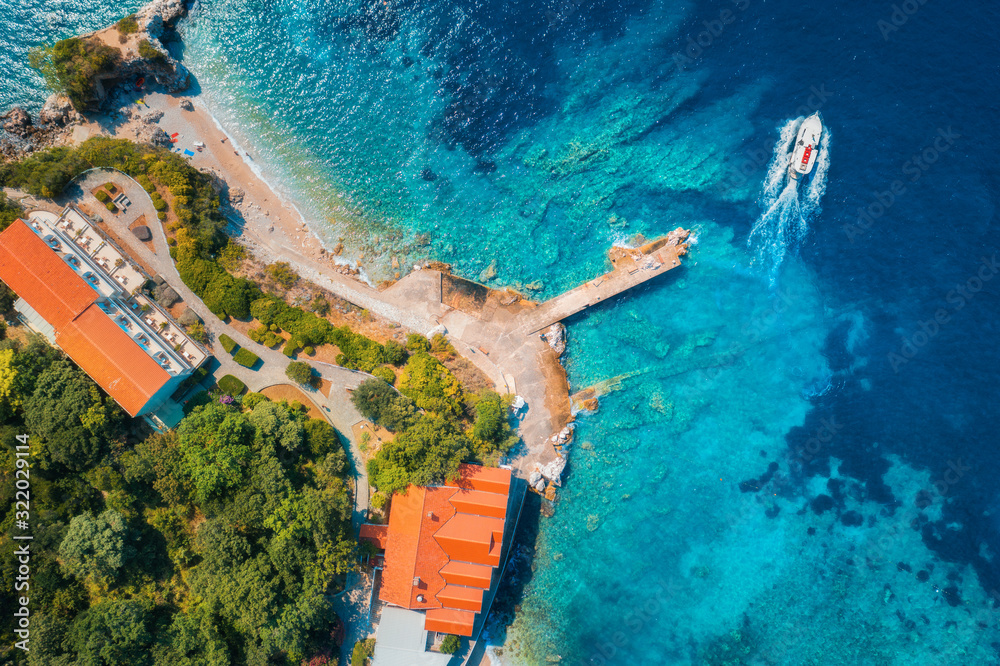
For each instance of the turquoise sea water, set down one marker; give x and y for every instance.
(766, 483)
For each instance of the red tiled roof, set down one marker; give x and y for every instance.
(449, 621)
(88, 336)
(35, 273)
(112, 359)
(442, 545)
(377, 534)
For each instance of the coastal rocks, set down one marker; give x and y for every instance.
(537, 481)
(556, 337)
(160, 14)
(58, 111)
(236, 196)
(152, 135)
(165, 295)
(187, 105)
(16, 121)
(153, 117)
(553, 471)
(489, 272)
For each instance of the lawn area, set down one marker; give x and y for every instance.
(288, 392)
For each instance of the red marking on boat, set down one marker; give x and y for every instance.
(140, 83)
(806, 154)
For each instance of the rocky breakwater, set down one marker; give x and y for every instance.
(546, 477)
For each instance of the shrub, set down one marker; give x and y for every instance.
(290, 348)
(308, 351)
(271, 339)
(282, 273)
(232, 385)
(197, 332)
(440, 345)
(246, 358)
(378, 500)
(159, 204)
(299, 372)
(227, 343)
(146, 184)
(149, 52)
(251, 400)
(111, 207)
(127, 25)
(110, 187)
(416, 342)
(362, 650)
(450, 644)
(395, 353)
(102, 196)
(385, 374)
(160, 215)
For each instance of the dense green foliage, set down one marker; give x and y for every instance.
(127, 25)
(216, 544)
(282, 273)
(227, 343)
(102, 196)
(299, 372)
(9, 211)
(72, 65)
(232, 385)
(246, 358)
(363, 650)
(450, 644)
(386, 374)
(429, 446)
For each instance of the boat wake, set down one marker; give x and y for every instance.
(788, 205)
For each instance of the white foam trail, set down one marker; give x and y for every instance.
(787, 212)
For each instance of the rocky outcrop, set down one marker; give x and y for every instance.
(556, 337)
(553, 471)
(160, 15)
(58, 112)
(17, 121)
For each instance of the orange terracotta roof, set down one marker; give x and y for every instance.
(442, 545)
(466, 573)
(489, 479)
(377, 534)
(461, 598)
(450, 621)
(480, 503)
(112, 359)
(88, 336)
(36, 273)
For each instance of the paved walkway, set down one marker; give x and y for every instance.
(337, 408)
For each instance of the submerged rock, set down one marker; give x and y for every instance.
(16, 121)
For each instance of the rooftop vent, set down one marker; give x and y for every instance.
(416, 581)
(421, 599)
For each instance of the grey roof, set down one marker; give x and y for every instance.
(402, 641)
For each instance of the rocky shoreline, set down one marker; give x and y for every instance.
(54, 125)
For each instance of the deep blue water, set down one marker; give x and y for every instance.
(798, 463)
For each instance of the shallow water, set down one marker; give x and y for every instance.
(791, 441)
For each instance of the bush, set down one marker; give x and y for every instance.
(146, 184)
(232, 385)
(290, 348)
(450, 644)
(127, 25)
(416, 342)
(299, 372)
(111, 207)
(160, 215)
(110, 187)
(227, 343)
(308, 351)
(271, 339)
(197, 332)
(149, 52)
(159, 204)
(102, 196)
(282, 273)
(246, 358)
(362, 650)
(395, 353)
(251, 400)
(385, 374)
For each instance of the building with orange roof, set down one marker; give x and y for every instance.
(444, 546)
(78, 290)
(444, 549)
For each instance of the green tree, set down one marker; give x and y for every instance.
(395, 353)
(192, 639)
(299, 372)
(431, 386)
(96, 548)
(275, 424)
(451, 644)
(215, 443)
(68, 411)
(113, 633)
(490, 420)
(282, 273)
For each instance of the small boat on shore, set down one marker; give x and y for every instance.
(807, 146)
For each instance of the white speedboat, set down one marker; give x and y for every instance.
(806, 147)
